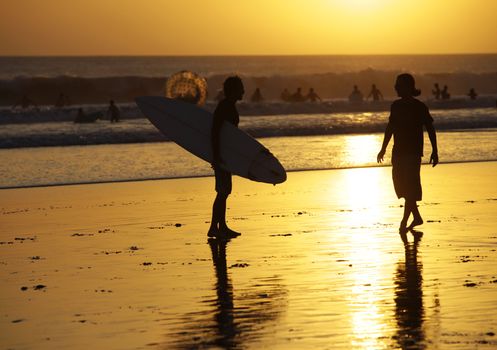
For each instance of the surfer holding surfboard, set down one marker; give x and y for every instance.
(225, 112)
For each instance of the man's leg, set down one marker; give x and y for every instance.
(417, 219)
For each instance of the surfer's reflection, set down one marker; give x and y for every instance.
(409, 310)
(225, 312)
(231, 321)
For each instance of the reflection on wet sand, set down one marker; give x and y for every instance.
(409, 311)
(238, 320)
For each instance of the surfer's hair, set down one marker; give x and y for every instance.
(232, 84)
(405, 83)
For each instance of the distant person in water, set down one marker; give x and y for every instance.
(257, 96)
(113, 112)
(297, 96)
(356, 96)
(80, 117)
(62, 101)
(312, 96)
(408, 115)
(25, 102)
(445, 93)
(225, 112)
(436, 91)
(375, 93)
(285, 95)
(472, 94)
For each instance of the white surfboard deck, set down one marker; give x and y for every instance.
(190, 127)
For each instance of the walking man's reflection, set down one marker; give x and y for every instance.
(409, 310)
(225, 312)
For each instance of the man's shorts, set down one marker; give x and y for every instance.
(223, 181)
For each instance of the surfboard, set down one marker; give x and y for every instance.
(190, 127)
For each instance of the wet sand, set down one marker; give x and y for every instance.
(319, 264)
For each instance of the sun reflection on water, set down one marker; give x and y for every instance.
(369, 300)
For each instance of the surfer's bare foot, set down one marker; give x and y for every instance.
(228, 233)
(415, 222)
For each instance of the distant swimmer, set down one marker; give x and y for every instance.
(62, 101)
(113, 112)
(285, 95)
(257, 96)
(437, 93)
(356, 95)
(445, 93)
(80, 117)
(297, 96)
(312, 96)
(225, 112)
(375, 93)
(472, 94)
(408, 116)
(25, 102)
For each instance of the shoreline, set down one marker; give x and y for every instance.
(212, 175)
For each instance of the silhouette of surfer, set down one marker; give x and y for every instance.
(225, 112)
(445, 93)
(356, 95)
(376, 93)
(25, 102)
(113, 112)
(436, 91)
(408, 115)
(312, 96)
(297, 96)
(285, 95)
(62, 101)
(472, 94)
(257, 96)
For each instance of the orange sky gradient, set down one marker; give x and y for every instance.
(255, 27)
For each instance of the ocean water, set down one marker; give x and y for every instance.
(97, 79)
(42, 146)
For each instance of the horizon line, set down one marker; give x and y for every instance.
(250, 55)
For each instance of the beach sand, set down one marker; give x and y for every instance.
(319, 264)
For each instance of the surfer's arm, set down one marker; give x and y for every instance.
(386, 140)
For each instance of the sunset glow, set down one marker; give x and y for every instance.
(159, 27)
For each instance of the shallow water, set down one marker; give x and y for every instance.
(107, 163)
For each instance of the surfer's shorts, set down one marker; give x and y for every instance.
(223, 181)
(406, 176)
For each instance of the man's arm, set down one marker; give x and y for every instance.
(433, 139)
(386, 140)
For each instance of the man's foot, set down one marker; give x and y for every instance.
(229, 233)
(414, 223)
(213, 232)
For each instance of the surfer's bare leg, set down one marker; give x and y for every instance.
(218, 213)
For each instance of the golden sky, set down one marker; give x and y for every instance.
(246, 27)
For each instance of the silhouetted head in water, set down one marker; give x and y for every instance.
(233, 88)
(111, 102)
(405, 86)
